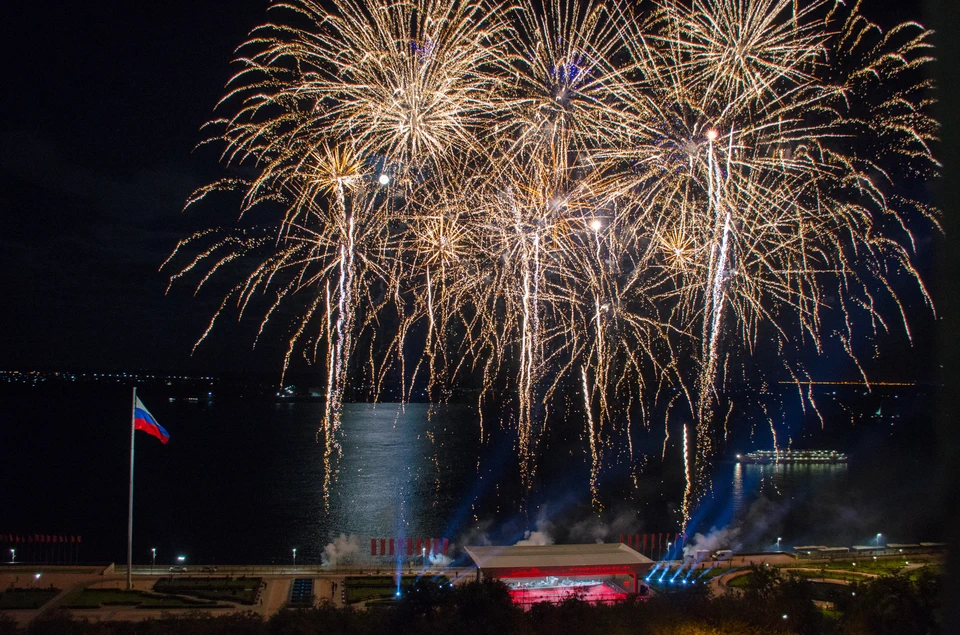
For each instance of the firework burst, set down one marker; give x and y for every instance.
(572, 196)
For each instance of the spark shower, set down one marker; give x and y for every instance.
(608, 202)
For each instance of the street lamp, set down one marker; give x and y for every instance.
(669, 544)
(778, 543)
(13, 556)
(423, 555)
(153, 557)
(294, 556)
(878, 539)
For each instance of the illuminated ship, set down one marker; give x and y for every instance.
(793, 456)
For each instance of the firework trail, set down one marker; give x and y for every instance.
(562, 195)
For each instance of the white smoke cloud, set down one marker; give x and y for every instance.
(588, 530)
(440, 560)
(592, 529)
(478, 536)
(343, 550)
(539, 538)
(715, 540)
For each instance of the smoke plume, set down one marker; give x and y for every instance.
(343, 550)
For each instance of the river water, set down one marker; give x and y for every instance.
(241, 481)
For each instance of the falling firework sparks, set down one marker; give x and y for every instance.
(688, 490)
(565, 195)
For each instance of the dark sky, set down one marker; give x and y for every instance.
(102, 108)
(103, 105)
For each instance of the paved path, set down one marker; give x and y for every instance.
(275, 595)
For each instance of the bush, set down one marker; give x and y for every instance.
(892, 604)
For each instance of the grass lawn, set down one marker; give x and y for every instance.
(360, 589)
(26, 598)
(741, 581)
(208, 583)
(243, 590)
(244, 596)
(177, 602)
(935, 569)
(712, 573)
(95, 598)
(876, 567)
(828, 574)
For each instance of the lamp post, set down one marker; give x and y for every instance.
(423, 556)
(294, 557)
(878, 539)
(153, 558)
(669, 544)
(778, 543)
(13, 556)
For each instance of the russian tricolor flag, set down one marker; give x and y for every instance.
(143, 420)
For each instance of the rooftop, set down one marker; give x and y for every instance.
(566, 557)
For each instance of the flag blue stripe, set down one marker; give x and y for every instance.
(141, 413)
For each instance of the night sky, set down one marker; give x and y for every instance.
(103, 108)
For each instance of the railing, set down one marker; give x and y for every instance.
(274, 569)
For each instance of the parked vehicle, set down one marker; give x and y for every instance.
(723, 554)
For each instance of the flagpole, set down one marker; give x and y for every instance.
(133, 419)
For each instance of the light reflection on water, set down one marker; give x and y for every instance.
(407, 471)
(781, 480)
(822, 503)
(412, 471)
(737, 494)
(401, 472)
(242, 481)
